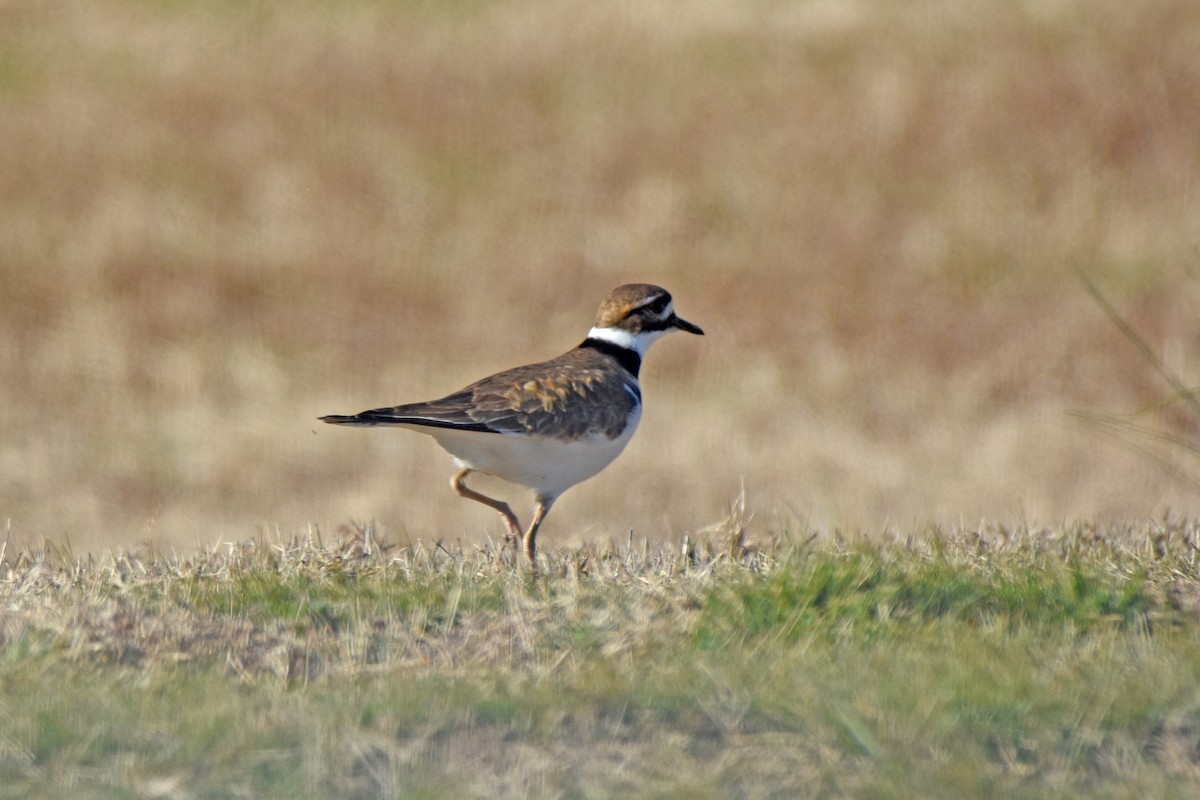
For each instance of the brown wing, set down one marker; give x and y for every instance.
(568, 402)
(570, 397)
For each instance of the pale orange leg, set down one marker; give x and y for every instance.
(510, 519)
(530, 538)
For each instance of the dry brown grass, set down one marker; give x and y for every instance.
(286, 612)
(990, 661)
(222, 220)
(307, 608)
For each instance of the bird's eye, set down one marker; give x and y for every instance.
(658, 304)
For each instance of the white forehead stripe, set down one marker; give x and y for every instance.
(647, 300)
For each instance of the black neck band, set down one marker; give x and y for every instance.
(629, 359)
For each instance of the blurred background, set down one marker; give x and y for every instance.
(220, 220)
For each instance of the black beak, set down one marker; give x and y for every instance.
(683, 325)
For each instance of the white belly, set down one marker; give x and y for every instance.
(548, 466)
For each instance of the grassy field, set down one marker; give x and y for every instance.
(222, 220)
(973, 663)
(947, 255)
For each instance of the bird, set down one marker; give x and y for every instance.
(551, 425)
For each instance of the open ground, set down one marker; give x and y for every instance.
(988, 662)
(946, 254)
(223, 220)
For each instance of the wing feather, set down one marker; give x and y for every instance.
(568, 399)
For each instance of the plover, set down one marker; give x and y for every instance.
(551, 425)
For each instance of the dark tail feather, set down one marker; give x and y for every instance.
(388, 416)
(365, 419)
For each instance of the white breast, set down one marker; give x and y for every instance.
(546, 465)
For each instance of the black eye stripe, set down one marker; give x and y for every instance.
(658, 304)
(650, 327)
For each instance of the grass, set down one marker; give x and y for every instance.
(990, 662)
(223, 220)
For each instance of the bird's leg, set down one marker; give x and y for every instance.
(530, 539)
(462, 490)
